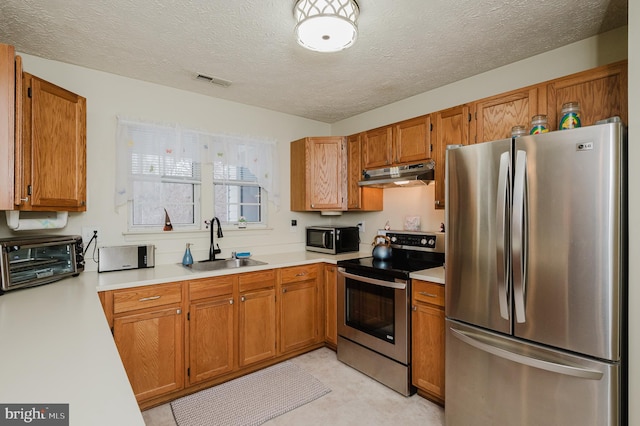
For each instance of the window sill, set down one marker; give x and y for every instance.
(156, 232)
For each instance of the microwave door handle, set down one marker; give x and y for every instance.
(325, 239)
(519, 235)
(503, 264)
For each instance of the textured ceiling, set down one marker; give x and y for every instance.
(404, 47)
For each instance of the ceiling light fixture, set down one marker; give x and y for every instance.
(326, 25)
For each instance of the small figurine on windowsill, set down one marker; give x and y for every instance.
(242, 222)
(167, 222)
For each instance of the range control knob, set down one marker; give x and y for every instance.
(423, 241)
(394, 239)
(432, 242)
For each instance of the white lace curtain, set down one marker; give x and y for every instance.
(191, 146)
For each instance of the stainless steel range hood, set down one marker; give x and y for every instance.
(392, 177)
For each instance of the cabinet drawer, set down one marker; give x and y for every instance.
(146, 297)
(427, 292)
(211, 287)
(257, 280)
(298, 273)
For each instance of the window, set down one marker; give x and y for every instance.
(158, 168)
(237, 194)
(164, 176)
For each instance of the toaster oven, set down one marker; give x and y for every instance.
(35, 260)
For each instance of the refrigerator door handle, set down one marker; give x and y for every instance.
(519, 230)
(567, 370)
(503, 264)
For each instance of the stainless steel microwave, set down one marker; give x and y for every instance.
(333, 239)
(36, 260)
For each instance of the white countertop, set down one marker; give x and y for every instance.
(435, 275)
(57, 346)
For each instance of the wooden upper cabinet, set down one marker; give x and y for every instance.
(601, 92)
(408, 141)
(377, 148)
(358, 197)
(52, 169)
(7, 129)
(495, 116)
(319, 174)
(412, 140)
(451, 128)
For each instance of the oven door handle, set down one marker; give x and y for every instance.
(399, 284)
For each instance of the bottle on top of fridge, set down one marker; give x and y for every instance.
(570, 116)
(539, 124)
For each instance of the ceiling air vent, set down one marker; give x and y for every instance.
(213, 80)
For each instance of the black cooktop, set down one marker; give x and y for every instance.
(402, 263)
(411, 251)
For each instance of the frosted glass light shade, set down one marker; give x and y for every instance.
(326, 25)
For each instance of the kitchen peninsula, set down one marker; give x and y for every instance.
(66, 351)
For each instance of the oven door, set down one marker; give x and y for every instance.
(374, 313)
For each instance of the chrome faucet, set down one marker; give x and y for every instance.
(213, 250)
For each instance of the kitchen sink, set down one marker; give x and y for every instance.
(218, 264)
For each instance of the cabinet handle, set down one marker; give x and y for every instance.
(242, 299)
(24, 199)
(424, 293)
(414, 308)
(231, 301)
(437, 202)
(284, 290)
(178, 311)
(145, 299)
(301, 274)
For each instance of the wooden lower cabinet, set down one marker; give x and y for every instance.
(428, 340)
(257, 317)
(331, 305)
(211, 326)
(177, 338)
(299, 303)
(151, 349)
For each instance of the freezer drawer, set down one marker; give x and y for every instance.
(496, 380)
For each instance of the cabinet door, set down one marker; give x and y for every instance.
(412, 140)
(496, 116)
(452, 128)
(257, 326)
(319, 174)
(377, 147)
(601, 92)
(428, 341)
(298, 315)
(151, 348)
(54, 142)
(330, 305)
(358, 197)
(327, 176)
(211, 342)
(7, 129)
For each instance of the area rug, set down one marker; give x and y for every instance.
(250, 400)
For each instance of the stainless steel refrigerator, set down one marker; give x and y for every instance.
(536, 276)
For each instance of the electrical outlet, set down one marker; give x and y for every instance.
(293, 227)
(87, 235)
(361, 226)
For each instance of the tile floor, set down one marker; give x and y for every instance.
(355, 399)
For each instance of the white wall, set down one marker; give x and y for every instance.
(110, 95)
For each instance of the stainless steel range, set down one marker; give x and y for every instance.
(374, 317)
